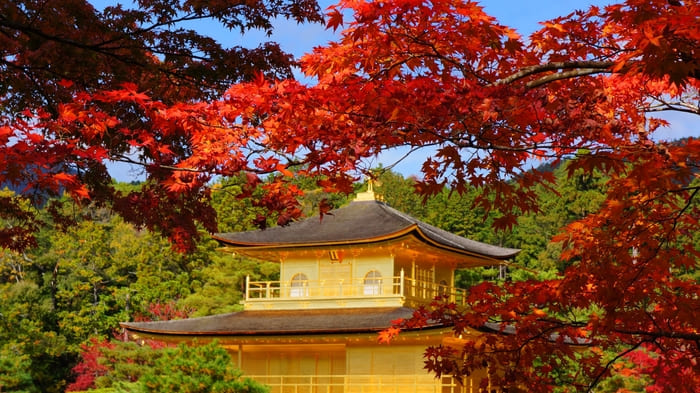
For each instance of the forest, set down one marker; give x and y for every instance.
(555, 143)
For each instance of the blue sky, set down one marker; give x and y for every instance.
(299, 39)
(524, 16)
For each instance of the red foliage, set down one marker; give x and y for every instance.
(164, 312)
(89, 367)
(667, 374)
(72, 83)
(94, 364)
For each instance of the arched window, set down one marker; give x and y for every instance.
(300, 285)
(373, 283)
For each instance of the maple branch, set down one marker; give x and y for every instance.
(121, 158)
(292, 160)
(99, 48)
(607, 366)
(28, 30)
(549, 333)
(684, 189)
(437, 54)
(186, 18)
(111, 47)
(671, 108)
(488, 146)
(564, 75)
(688, 203)
(678, 106)
(395, 163)
(578, 68)
(686, 207)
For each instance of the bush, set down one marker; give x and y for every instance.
(121, 367)
(193, 369)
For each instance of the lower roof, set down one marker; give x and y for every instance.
(278, 322)
(299, 322)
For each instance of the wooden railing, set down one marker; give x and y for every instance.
(364, 384)
(398, 286)
(422, 291)
(323, 288)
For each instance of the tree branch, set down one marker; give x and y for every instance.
(610, 363)
(565, 75)
(661, 334)
(678, 106)
(586, 67)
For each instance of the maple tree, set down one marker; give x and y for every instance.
(155, 44)
(53, 53)
(443, 75)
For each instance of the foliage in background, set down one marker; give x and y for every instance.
(77, 284)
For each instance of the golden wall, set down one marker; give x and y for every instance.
(337, 368)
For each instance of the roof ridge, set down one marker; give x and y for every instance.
(409, 219)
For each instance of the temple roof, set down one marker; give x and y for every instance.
(279, 322)
(357, 223)
(294, 322)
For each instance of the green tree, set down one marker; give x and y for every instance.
(234, 213)
(573, 196)
(29, 339)
(82, 282)
(220, 285)
(196, 369)
(15, 370)
(399, 193)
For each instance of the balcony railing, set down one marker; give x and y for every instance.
(389, 287)
(425, 291)
(365, 384)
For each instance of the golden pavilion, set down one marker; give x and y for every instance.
(343, 279)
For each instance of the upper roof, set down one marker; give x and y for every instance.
(279, 322)
(361, 221)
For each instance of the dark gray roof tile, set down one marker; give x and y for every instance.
(360, 221)
(277, 322)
